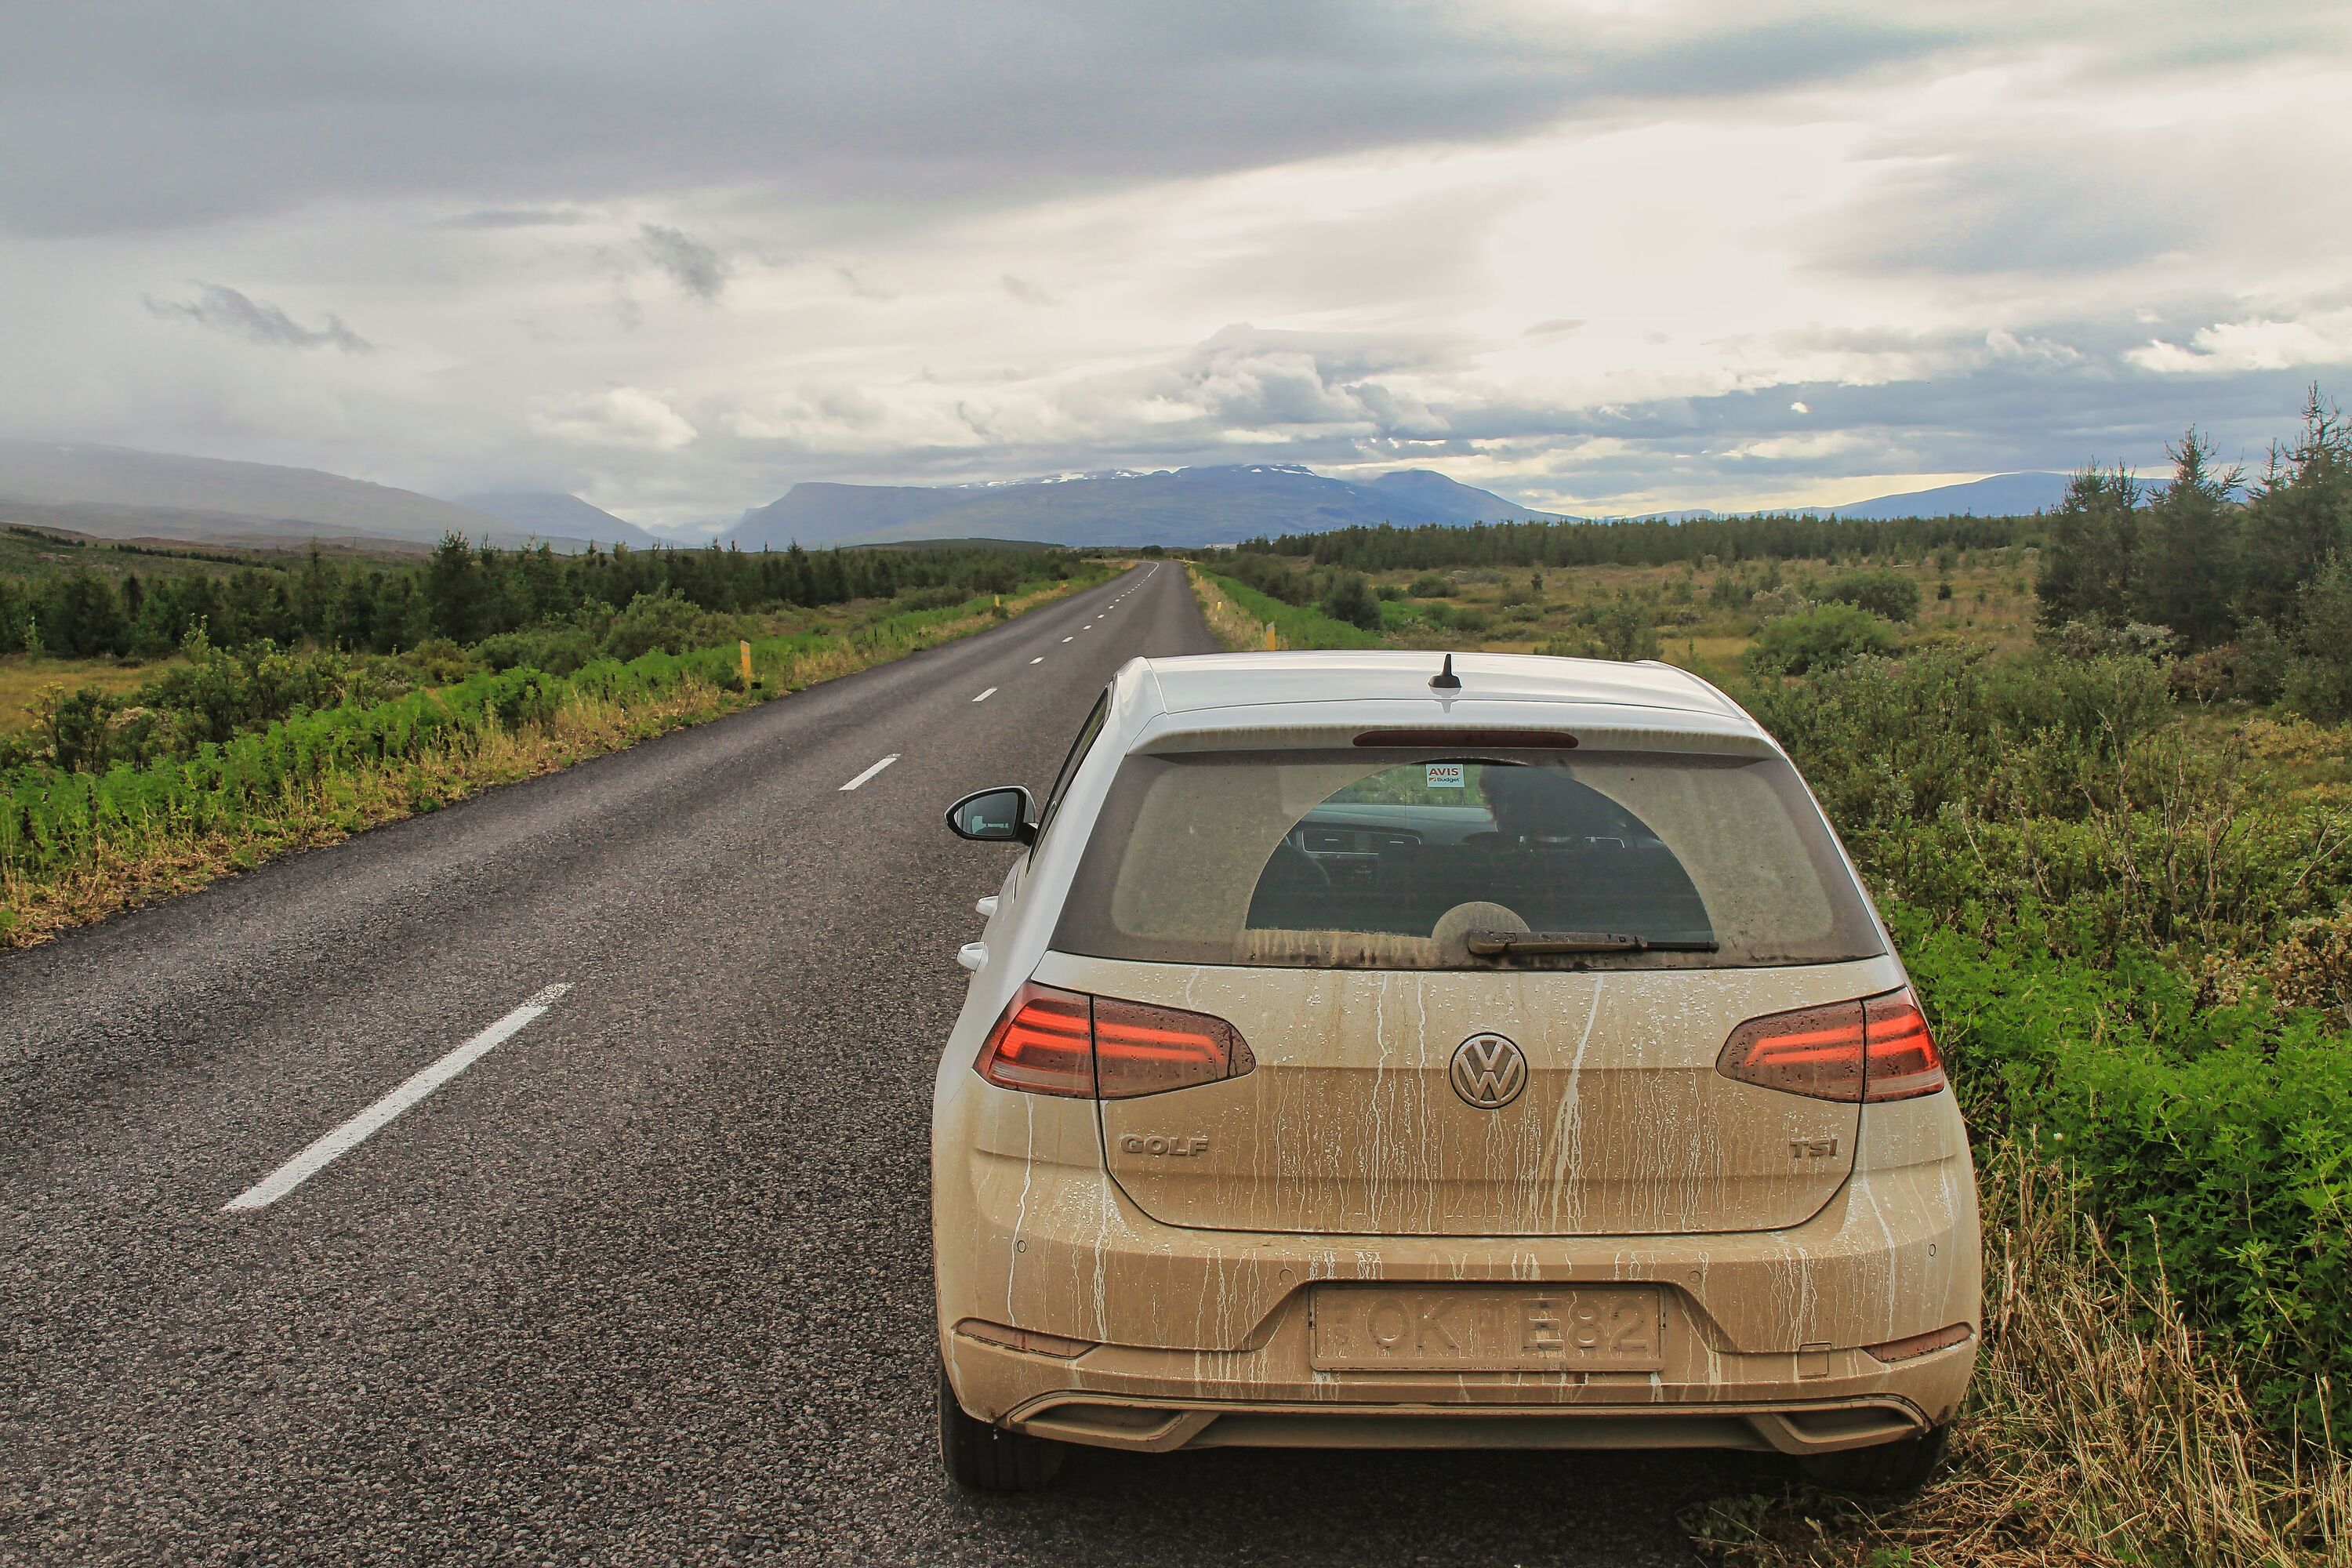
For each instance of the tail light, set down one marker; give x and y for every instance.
(1044, 1043)
(1100, 1048)
(1904, 1063)
(1876, 1049)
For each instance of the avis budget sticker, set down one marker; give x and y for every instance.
(1444, 775)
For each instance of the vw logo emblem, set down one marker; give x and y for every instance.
(1487, 1071)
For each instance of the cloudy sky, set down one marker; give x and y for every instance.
(1598, 255)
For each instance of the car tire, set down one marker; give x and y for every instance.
(1883, 1468)
(980, 1458)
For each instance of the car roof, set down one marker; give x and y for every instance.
(1196, 683)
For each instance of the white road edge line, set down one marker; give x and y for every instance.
(326, 1150)
(985, 695)
(871, 772)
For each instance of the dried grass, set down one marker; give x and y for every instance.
(1240, 633)
(2101, 1430)
(144, 869)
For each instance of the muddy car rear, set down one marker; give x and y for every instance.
(1356, 1063)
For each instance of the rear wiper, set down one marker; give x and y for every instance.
(1503, 943)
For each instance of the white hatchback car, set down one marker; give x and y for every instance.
(1367, 1054)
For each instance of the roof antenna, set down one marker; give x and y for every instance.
(1445, 679)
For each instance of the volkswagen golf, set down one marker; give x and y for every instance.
(1365, 1052)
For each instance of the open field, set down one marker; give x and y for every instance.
(22, 678)
(1701, 618)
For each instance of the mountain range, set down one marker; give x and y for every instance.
(1995, 495)
(117, 492)
(1998, 494)
(1219, 505)
(554, 515)
(1225, 505)
(120, 493)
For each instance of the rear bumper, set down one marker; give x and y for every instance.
(1120, 1396)
(1204, 1338)
(1144, 1427)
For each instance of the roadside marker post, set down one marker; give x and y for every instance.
(746, 647)
(1269, 637)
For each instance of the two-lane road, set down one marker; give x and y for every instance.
(635, 1268)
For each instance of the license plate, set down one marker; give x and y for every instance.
(1500, 1327)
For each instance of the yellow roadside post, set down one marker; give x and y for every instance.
(1269, 637)
(745, 647)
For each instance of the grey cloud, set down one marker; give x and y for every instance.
(862, 286)
(691, 265)
(1555, 327)
(2023, 210)
(513, 217)
(1335, 400)
(226, 310)
(155, 114)
(1320, 400)
(1302, 384)
(1028, 293)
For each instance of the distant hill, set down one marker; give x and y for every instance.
(821, 512)
(554, 515)
(1219, 505)
(1998, 494)
(115, 493)
(1432, 491)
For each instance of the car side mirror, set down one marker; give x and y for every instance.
(1006, 814)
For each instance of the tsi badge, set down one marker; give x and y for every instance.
(1489, 1071)
(1153, 1144)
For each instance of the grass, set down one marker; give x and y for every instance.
(1990, 603)
(24, 678)
(294, 787)
(1239, 616)
(2101, 1430)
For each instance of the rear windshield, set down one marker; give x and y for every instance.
(1390, 860)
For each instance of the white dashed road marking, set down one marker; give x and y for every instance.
(1039, 660)
(985, 695)
(423, 1081)
(871, 772)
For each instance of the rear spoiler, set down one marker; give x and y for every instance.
(1233, 731)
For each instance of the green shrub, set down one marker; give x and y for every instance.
(938, 598)
(2215, 1143)
(557, 649)
(1622, 628)
(1350, 598)
(1991, 787)
(1268, 576)
(1430, 586)
(2319, 680)
(1886, 594)
(663, 622)
(1298, 625)
(1822, 638)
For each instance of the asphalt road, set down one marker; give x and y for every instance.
(650, 1281)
